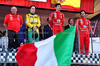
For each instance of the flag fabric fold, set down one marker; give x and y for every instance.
(54, 51)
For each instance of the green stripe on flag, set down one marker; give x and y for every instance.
(63, 46)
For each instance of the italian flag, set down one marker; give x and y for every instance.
(54, 51)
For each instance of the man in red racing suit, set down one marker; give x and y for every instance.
(83, 25)
(56, 20)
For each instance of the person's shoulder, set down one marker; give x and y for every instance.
(8, 14)
(53, 12)
(79, 19)
(37, 15)
(61, 13)
(28, 14)
(19, 15)
(67, 26)
(87, 20)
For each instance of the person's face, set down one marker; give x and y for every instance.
(6, 34)
(71, 22)
(82, 14)
(14, 10)
(32, 10)
(58, 8)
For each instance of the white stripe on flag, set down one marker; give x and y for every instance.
(45, 52)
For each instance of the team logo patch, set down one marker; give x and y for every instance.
(81, 20)
(31, 16)
(58, 20)
(35, 20)
(11, 18)
(85, 26)
(81, 23)
(17, 15)
(35, 17)
(11, 15)
(31, 19)
(55, 16)
(87, 23)
(55, 13)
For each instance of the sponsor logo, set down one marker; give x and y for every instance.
(11, 15)
(11, 18)
(87, 23)
(55, 13)
(35, 20)
(31, 16)
(58, 20)
(31, 19)
(85, 26)
(17, 15)
(81, 23)
(81, 20)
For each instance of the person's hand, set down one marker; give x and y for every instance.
(34, 28)
(24, 40)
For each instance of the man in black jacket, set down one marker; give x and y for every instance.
(71, 24)
(45, 31)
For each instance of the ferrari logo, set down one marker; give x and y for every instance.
(81, 22)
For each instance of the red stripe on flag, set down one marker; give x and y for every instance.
(26, 55)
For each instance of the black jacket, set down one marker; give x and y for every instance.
(46, 32)
(66, 27)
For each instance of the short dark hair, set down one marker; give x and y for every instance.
(69, 20)
(32, 6)
(47, 19)
(83, 11)
(57, 4)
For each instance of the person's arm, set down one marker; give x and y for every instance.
(39, 23)
(63, 19)
(21, 21)
(40, 33)
(51, 20)
(49, 31)
(89, 26)
(5, 25)
(6, 21)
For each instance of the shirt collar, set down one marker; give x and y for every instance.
(13, 14)
(70, 25)
(32, 13)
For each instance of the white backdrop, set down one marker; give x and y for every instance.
(96, 45)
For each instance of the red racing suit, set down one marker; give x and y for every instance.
(83, 25)
(56, 20)
(14, 22)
